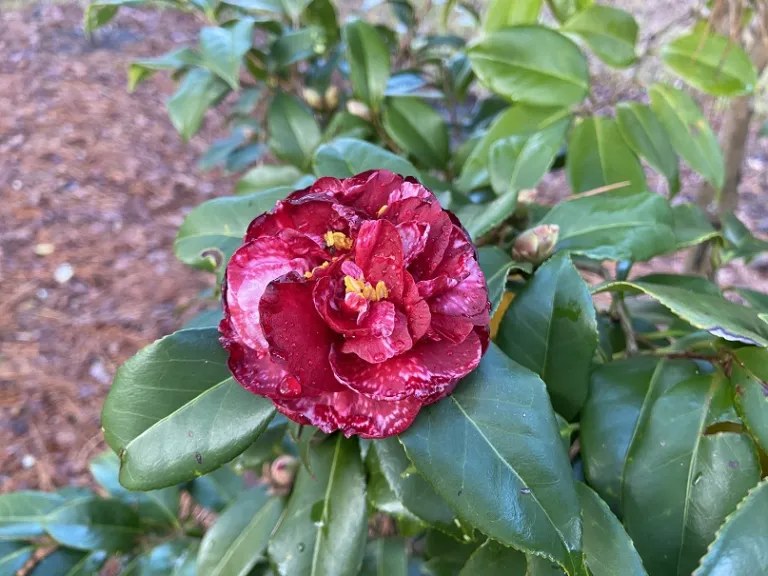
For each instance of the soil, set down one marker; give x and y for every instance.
(93, 185)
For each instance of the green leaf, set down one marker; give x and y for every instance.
(223, 49)
(220, 151)
(714, 314)
(88, 565)
(215, 229)
(344, 157)
(294, 133)
(157, 507)
(175, 557)
(218, 489)
(412, 492)
(565, 9)
(59, 563)
(141, 70)
(385, 557)
(304, 437)
(620, 397)
(493, 559)
(418, 129)
(506, 13)
(368, 58)
(324, 527)
(268, 176)
(645, 135)
(296, 46)
(346, 125)
(446, 556)
(693, 478)
(520, 162)
(499, 424)
(99, 13)
(238, 539)
(711, 62)
(516, 63)
(599, 156)
(691, 225)
(174, 411)
(740, 544)
(13, 556)
(409, 85)
(550, 328)
(271, 6)
(608, 550)
(294, 8)
(199, 90)
(22, 513)
(94, 524)
(496, 265)
(689, 132)
(520, 121)
(756, 300)
(614, 225)
(741, 242)
(479, 219)
(749, 374)
(322, 13)
(611, 33)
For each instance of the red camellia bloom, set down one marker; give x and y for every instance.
(354, 303)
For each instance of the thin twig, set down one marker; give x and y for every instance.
(622, 313)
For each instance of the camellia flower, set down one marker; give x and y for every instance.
(354, 303)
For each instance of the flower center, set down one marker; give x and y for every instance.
(311, 273)
(382, 210)
(338, 240)
(364, 289)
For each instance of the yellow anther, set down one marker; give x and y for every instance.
(308, 274)
(315, 269)
(382, 210)
(338, 240)
(359, 286)
(353, 284)
(381, 290)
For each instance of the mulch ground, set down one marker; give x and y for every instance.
(93, 185)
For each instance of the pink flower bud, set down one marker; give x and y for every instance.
(537, 244)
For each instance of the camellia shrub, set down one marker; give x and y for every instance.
(415, 368)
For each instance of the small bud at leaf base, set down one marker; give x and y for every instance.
(283, 470)
(357, 108)
(524, 199)
(331, 97)
(537, 244)
(312, 98)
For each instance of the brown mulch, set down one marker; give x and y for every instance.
(102, 177)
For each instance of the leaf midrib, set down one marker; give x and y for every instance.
(326, 499)
(241, 537)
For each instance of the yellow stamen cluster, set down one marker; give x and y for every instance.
(359, 286)
(338, 240)
(382, 210)
(312, 272)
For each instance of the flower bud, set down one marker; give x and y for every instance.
(313, 98)
(357, 108)
(524, 199)
(283, 470)
(537, 244)
(331, 97)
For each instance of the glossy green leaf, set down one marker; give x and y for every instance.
(611, 33)
(268, 176)
(714, 314)
(565, 9)
(614, 225)
(506, 13)
(516, 63)
(199, 90)
(689, 132)
(691, 225)
(369, 65)
(599, 156)
(645, 135)
(99, 13)
(295, 46)
(520, 162)
(385, 557)
(756, 300)
(741, 243)
(294, 8)
(346, 157)
(550, 328)
(13, 556)
(496, 265)
(294, 133)
(517, 121)
(694, 478)
(621, 394)
(324, 527)
(749, 374)
(711, 62)
(218, 489)
(223, 49)
(418, 129)
(94, 524)
(22, 513)
(174, 411)
(141, 70)
(238, 539)
(267, 447)
(175, 558)
(493, 559)
(215, 229)
(60, 562)
(445, 555)
(479, 219)
(156, 507)
(322, 13)
(740, 544)
(608, 550)
(346, 125)
(88, 565)
(410, 84)
(499, 424)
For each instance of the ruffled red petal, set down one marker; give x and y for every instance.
(378, 320)
(379, 253)
(378, 348)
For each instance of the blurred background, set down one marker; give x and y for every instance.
(94, 182)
